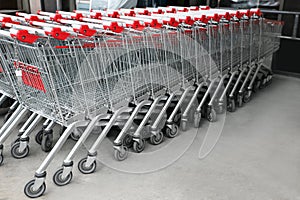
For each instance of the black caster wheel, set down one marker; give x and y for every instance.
(15, 151)
(197, 119)
(31, 193)
(47, 142)
(138, 147)
(171, 133)
(247, 97)
(121, 155)
(157, 139)
(127, 141)
(240, 100)
(231, 107)
(212, 115)
(7, 116)
(39, 137)
(86, 169)
(59, 180)
(74, 137)
(177, 118)
(1, 159)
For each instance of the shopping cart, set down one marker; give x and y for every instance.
(145, 71)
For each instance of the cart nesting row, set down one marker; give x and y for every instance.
(146, 71)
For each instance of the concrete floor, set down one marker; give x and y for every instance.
(256, 157)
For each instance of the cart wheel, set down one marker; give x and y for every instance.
(171, 133)
(121, 155)
(177, 118)
(39, 137)
(74, 137)
(127, 141)
(7, 116)
(247, 97)
(240, 100)
(231, 105)
(59, 181)
(47, 142)
(30, 192)
(138, 147)
(86, 169)
(197, 119)
(1, 159)
(15, 151)
(183, 125)
(212, 115)
(157, 139)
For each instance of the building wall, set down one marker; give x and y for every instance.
(286, 59)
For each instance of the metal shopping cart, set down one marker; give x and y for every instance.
(145, 71)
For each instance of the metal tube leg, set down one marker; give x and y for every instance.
(197, 114)
(170, 131)
(12, 125)
(240, 96)
(11, 110)
(216, 91)
(136, 135)
(88, 165)
(23, 128)
(154, 127)
(179, 103)
(198, 110)
(128, 124)
(221, 99)
(170, 120)
(184, 117)
(61, 176)
(138, 140)
(11, 119)
(3, 99)
(15, 122)
(58, 145)
(27, 123)
(231, 95)
(14, 105)
(37, 186)
(246, 79)
(253, 78)
(25, 137)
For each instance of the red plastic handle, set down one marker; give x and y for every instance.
(85, 30)
(130, 13)
(114, 14)
(188, 20)
(158, 11)
(96, 15)
(58, 34)
(34, 18)
(8, 20)
(56, 17)
(171, 22)
(114, 26)
(136, 25)
(144, 12)
(24, 36)
(154, 24)
(77, 16)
